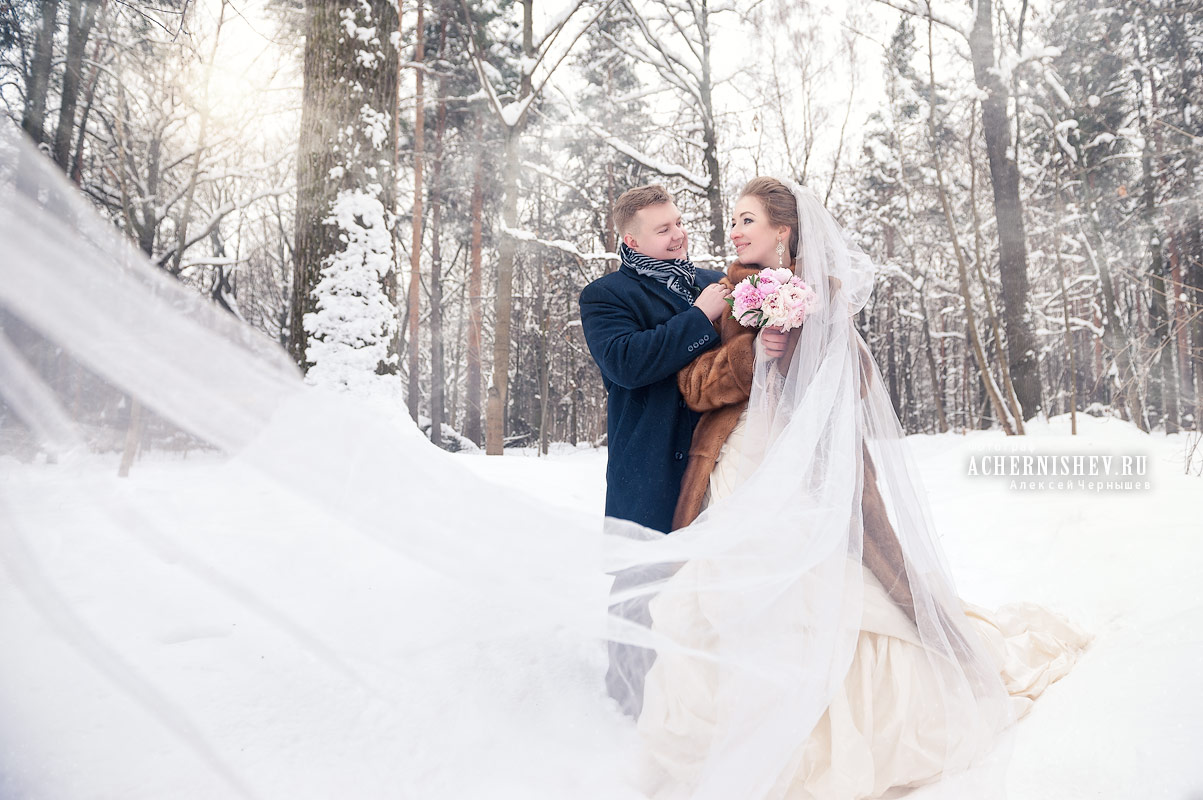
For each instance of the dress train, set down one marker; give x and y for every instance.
(883, 728)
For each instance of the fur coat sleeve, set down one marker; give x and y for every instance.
(722, 375)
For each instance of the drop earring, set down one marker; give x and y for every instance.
(780, 253)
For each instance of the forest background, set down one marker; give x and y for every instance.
(409, 195)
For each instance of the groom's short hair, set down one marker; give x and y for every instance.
(632, 201)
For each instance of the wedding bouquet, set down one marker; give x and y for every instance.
(772, 297)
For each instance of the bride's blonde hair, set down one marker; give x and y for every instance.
(779, 204)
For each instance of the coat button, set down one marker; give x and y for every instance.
(678, 455)
(681, 403)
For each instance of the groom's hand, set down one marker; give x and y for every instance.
(774, 341)
(713, 301)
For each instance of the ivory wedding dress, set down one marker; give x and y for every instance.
(882, 729)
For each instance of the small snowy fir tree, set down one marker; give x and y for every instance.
(350, 332)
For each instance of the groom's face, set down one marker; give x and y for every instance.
(657, 232)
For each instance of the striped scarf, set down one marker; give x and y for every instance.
(678, 274)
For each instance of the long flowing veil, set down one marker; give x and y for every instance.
(292, 595)
(304, 599)
(769, 579)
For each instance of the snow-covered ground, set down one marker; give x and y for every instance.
(197, 632)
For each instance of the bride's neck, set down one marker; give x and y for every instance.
(759, 267)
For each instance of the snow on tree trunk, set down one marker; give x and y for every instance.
(343, 321)
(353, 324)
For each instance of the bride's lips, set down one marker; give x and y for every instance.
(739, 247)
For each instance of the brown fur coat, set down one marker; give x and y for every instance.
(718, 384)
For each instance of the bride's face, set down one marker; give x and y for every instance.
(755, 239)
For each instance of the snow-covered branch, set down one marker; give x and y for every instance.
(217, 216)
(479, 64)
(923, 9)
(562, 245)
(537, 90)
(696, 183)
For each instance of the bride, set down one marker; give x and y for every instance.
(819, 649)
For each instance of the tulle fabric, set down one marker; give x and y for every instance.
(92, 331)
(193, 662)
(883, 729)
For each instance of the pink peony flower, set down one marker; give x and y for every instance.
(747, 297)
(779, 275)
(773, 297)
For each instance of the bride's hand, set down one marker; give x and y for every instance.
(774, 340)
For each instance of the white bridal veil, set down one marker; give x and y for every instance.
(304, 599)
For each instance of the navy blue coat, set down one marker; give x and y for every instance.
(640, 334)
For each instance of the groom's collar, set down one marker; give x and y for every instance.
(654, 286)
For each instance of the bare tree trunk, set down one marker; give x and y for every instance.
(1192, 274)
(437, 374)
(80, 16)
(979, 353)
(541, 308)
(1188, 238)
(1008, 212)
(476, 311)
(331, 131)
(936, 387)
(76, 168)
(714, 190)
(1069, 339)
(457, 359)
(504, 306)
(610, 236)
(891, 350)
(37, 86)
(315, 191)
(1161, 343)
(1113, 327)
(413, 385)
(1008, 387)
(1181, 327)
(133, 438)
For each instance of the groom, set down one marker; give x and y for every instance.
(642, 323)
